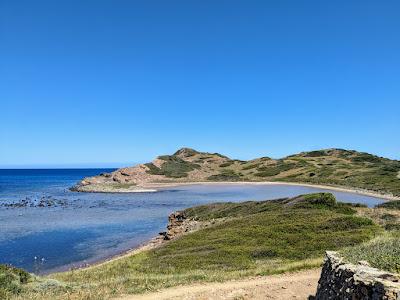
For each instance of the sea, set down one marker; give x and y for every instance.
(45, 227)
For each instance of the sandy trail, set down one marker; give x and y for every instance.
(298, 285)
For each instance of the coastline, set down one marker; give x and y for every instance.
(155, 187)
(175, 228)
(147, 245)
(157, 241)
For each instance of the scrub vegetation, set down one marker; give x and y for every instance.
(382, 252)
(240, 240)
(391, 205)
(173, 166)
(12, 281)
(334, 167)
(337, 167)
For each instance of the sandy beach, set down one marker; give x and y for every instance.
(154, 187)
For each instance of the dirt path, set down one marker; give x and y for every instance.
(298, 285)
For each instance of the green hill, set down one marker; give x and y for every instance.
(337, 167)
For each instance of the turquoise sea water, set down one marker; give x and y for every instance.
(93, 226)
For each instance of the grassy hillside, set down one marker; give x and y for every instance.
(391, 205)
(382, 252)
(331, 166)
(241, 239)
(12, 281)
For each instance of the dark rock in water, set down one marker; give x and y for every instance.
(74, 188)
(45, 201)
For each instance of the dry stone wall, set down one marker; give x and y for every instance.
(340, 280)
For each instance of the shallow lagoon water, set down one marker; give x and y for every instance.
(94, 226)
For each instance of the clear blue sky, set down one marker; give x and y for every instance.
(96, 82)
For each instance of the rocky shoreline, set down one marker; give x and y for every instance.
(333, 169)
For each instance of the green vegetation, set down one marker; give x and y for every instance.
(250, 166)
(122, 185)
(278, 231)
(268, 171)
(225, 175)
(174, 167)
(315, 153)
(324, 201)
(386, 217)
(390, 205)
(227, 164)
(237, 240)
(333, 167)
(363, 157)
(336, 167)
(240, 239)
(12, 281)
(392, 227)
(382, 252)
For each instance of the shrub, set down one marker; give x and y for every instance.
(173, 166)
(225, 175)
(268, 172)
(319, 200)
(12, 279)
(392, 227)
(251, 166)
(366, 157)
(253, 231)
(315, 153)
(390, 204)
(226, 164)
(382, 252)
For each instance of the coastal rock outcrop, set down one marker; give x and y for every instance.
(179, 224)
(340, 280)
(326, 167)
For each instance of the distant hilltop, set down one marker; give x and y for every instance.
(339, 167)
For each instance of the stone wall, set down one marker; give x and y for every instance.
(340, 280)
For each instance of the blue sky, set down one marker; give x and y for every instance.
(96, 83)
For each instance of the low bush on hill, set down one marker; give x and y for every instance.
(390, 205)
(225, 175)
(173, 166)
(382, 252)
(12, 280)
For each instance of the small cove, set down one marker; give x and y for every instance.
(94, 226)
